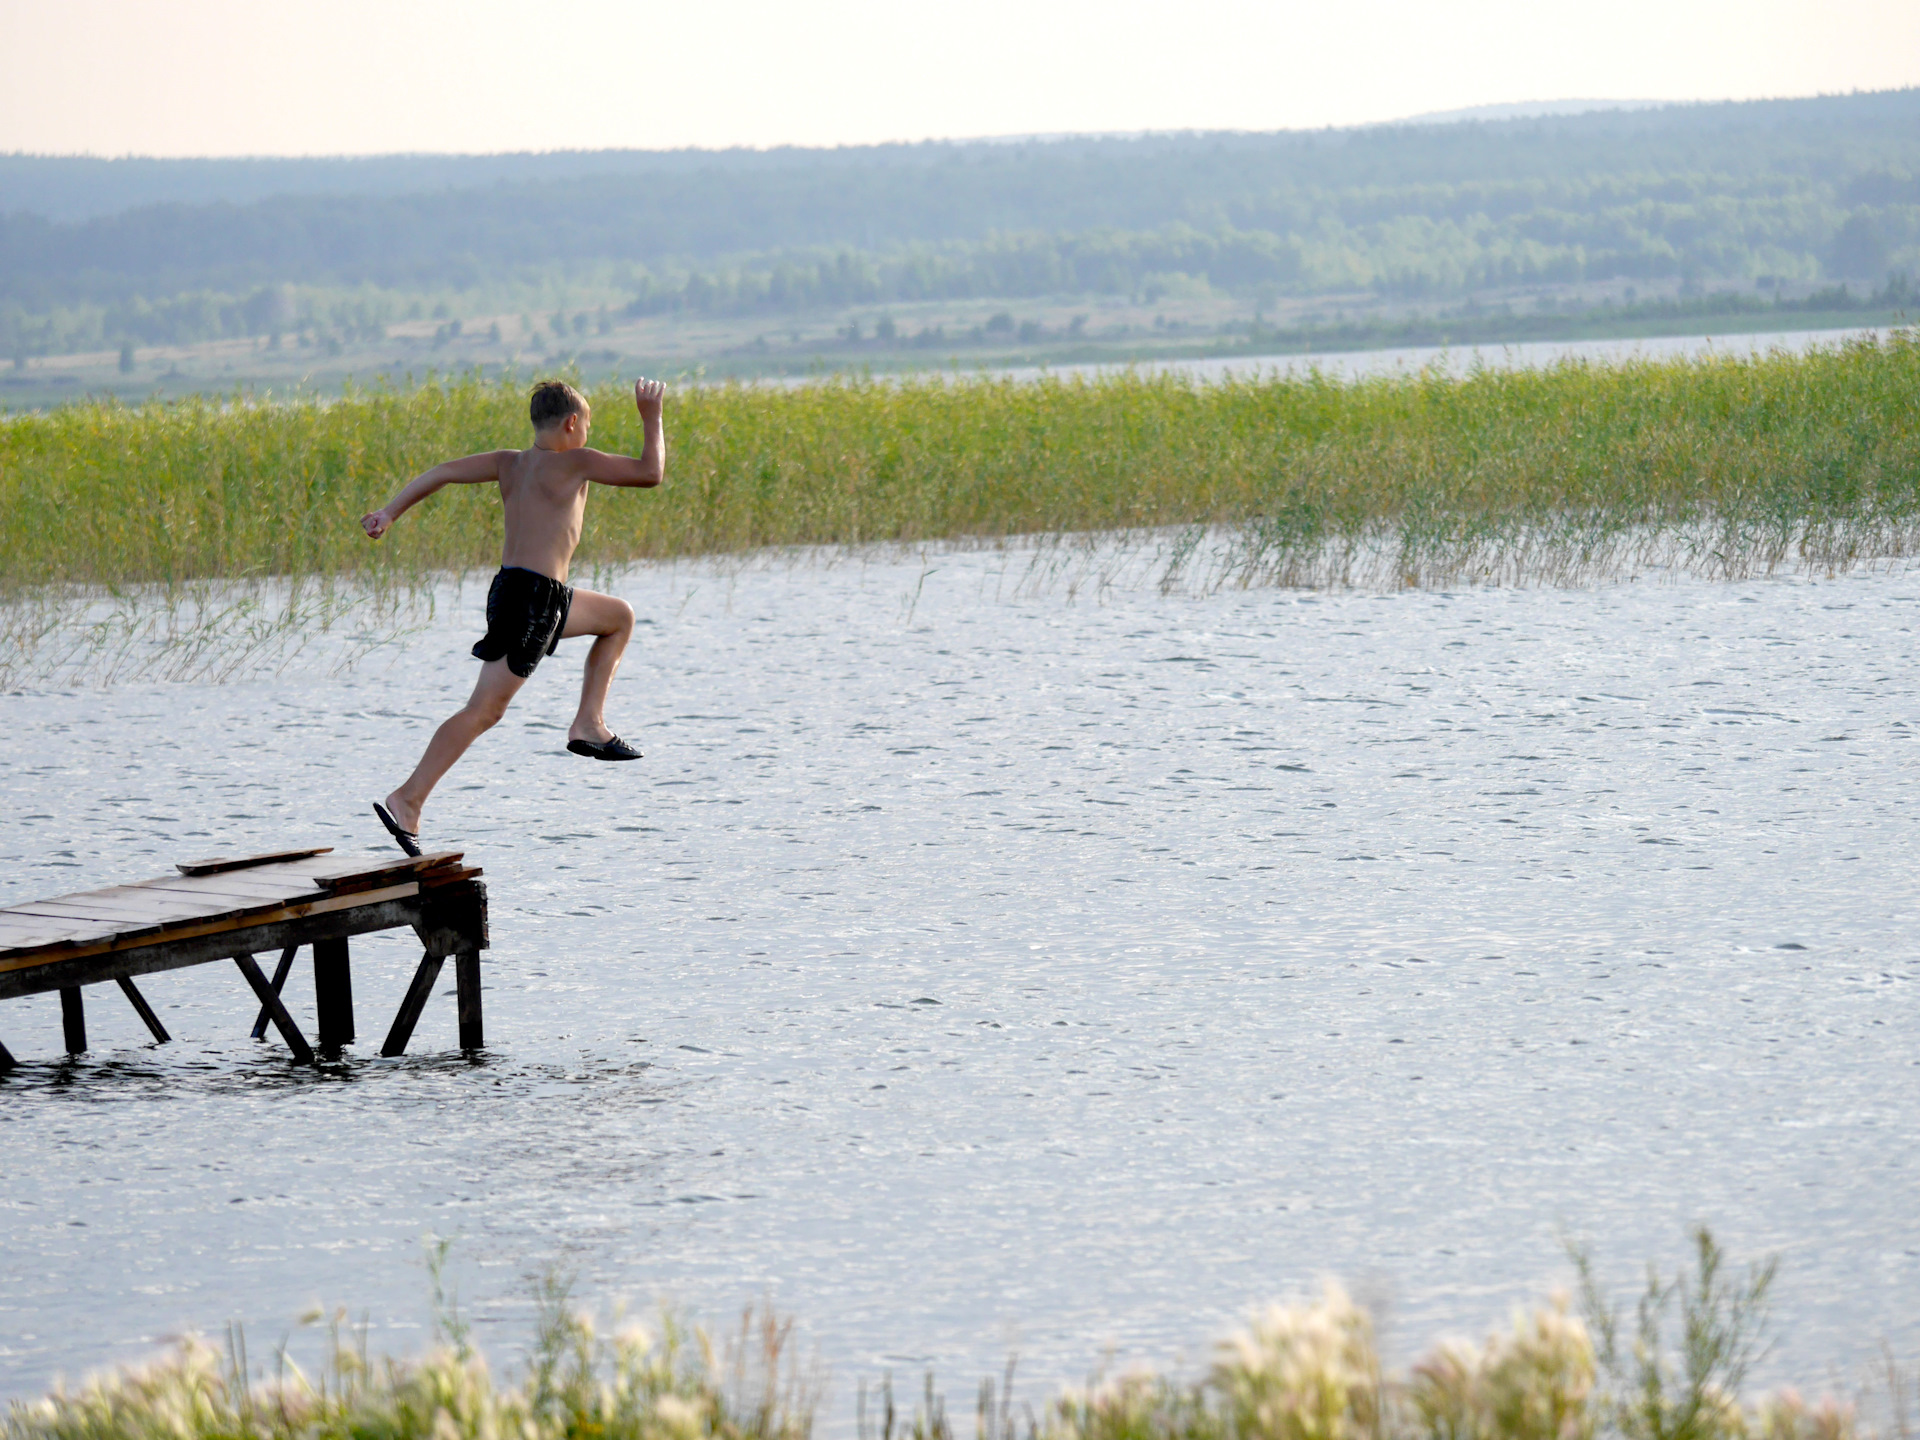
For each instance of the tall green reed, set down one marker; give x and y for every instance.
(1570, 473)
(1821, 449)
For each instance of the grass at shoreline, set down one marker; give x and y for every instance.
(1734, 466)
(1307, 1371)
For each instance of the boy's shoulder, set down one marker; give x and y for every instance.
(516, 460)
(538, 462)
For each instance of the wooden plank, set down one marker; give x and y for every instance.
(327, 864)
(333, 992)
(48, 974)
(219, 864)
(280, 973)
(145, 1010)
(68, 922)
(438, 875)
(210, 897)
(330, 873)
(433, 879)
(228, 887)
(133, 914)
(416, 999)
(326, 872)
(24, 924)
(242, 886)
(130, 911)
(466, 971)
(188, 930)
(20, 941)
(61, 937)
(12, 924)
(242, 882)
(111, 930)
(48, 946)
(406, 865)
(142, 921)
(441, 875)
(282, 1021)
(70, 938)
(73, 1019)
(129, 895)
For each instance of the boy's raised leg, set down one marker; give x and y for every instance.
(610, 621)
(491, 695)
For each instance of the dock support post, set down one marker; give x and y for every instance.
(283, 1022)
(333, 992)
(73, 1019)
(280, 973)
(410, 1008)
(466, 970)
(145, 1011)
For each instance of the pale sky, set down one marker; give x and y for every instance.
(291, 77)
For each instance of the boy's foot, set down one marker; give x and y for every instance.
(408, 840)
(612, 748)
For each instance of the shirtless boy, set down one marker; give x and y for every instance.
(530, 608)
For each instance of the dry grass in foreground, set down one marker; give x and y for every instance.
(1301, 1372)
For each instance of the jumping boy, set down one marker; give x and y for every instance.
(530, 607)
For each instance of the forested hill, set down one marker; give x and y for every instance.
(1801, 189)
(1040, 185)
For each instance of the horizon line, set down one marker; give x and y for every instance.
(1491, 113)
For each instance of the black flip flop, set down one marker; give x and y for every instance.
(610, 749)
(408, 840)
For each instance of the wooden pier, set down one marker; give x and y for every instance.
(238, 909)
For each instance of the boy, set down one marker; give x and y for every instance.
(530, 608)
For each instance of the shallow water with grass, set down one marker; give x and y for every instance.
(970, 968)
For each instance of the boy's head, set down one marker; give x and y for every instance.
(552, 402)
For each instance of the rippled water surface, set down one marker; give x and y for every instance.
(968, 973)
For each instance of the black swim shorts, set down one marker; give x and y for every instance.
(525, 614)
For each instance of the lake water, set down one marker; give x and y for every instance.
(970, 970)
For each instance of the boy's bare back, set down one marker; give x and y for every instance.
(543, 500)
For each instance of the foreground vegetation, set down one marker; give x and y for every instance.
(1300, 1372)
(1498, 475)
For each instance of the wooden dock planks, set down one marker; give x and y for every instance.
(106, 936)
(220, 863)
(283, 899)
(219, 893)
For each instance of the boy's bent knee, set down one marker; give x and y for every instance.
(615, 619)
(487, 713)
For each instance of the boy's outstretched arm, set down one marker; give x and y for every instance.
(650, 466)
(467, 470)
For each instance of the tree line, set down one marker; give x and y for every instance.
(1779, 190)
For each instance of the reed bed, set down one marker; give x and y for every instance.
(1571, 474)
(1306, 1371)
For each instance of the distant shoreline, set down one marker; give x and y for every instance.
(90, 377)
